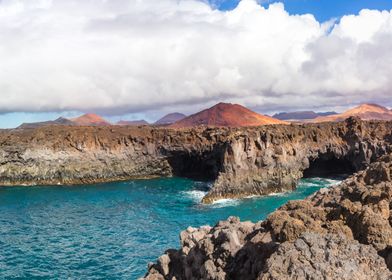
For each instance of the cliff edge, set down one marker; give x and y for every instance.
(240, 161)
(343, 232)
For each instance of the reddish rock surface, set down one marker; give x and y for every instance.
(90, 120)
(226, 114)
(364, 112)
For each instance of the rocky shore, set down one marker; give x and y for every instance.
(240, 161)
(343, 232)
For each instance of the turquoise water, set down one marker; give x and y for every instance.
(111, 231)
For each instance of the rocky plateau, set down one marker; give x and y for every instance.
(339, 233)
(240, 161)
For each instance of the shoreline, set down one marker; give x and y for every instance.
(240, 161)
(339, 228)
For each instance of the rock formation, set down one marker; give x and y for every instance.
(364, 112)
(264, 160)
(343, 232)
(240, 161)
(226, 115)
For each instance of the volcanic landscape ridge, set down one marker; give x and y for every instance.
(343, 232)
(240, 161)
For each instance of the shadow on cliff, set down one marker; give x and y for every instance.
(328, 164)
(203, 166)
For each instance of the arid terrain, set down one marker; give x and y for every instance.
(240, 161)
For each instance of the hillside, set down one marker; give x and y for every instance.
(364, 111)
(90, 120)
(133, 123)
(301, 115)
(170, 118)
(59, 121)
(226, 114)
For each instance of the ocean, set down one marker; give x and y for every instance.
(112, 230)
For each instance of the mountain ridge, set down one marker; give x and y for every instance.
(226, 115)
(132, 123)
(170, 118)
(90, 119)
(301, 115)
(366, 111)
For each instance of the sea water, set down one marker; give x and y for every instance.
(112, 231)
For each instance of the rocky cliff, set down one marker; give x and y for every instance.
(272, 159)
(241, 161)
(343, 232)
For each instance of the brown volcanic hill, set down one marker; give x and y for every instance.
(133, 123)
(90, 120)
(59, 121)
(170, 118)
(301, 115)
(226, 114)
(364, 111)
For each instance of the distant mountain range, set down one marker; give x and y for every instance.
(133, 123)
(301, 115)
(231, 115)
(90, 120)
(364, 111)
(170, 118)
(59, 121)
(226, 114)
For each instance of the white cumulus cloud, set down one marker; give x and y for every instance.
(136, 55)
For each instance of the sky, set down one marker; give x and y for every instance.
(141, 59)
(323, 10)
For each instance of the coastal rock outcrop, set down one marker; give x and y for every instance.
(264, 161)
(240, 161)
(343, 232)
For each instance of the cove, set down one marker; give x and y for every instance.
(112, 230)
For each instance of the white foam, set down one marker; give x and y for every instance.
(276, 194)
(224, 202)
(333, 182)
(195, 195)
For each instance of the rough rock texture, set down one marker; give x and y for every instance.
(241, 161)
(313, 256)
(343, 232)
(261, 161)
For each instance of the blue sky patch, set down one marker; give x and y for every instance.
(323, 10)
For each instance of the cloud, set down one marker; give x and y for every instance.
(130, 56)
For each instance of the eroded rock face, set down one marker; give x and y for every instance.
(313, 256)
(343, 232)
(241, 161)
(264, 161)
